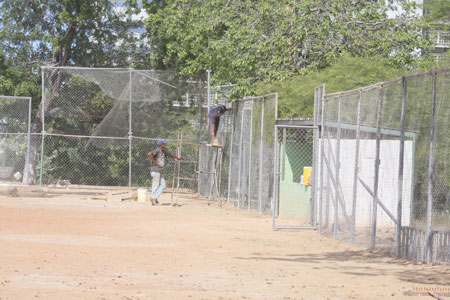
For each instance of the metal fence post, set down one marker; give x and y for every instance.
(43, 128)
(429, 234)
(400, 167)
(200, 108)
(276, 177)
(209, 102)
(355, 172)
(231, 157)
(322, 154)
(130, 133)
(315, 187)
(337, 168)
(261, 157)
(240, 154)
(26, 175)
(249, 191)
(377, 169)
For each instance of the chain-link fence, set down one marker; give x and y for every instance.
(384, 165)
(97, 126)
(294, 205)
(251, 159)
(14, 137)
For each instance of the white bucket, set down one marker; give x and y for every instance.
(141, 195)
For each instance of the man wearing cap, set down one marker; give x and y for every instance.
(214, 115)
(158, 157)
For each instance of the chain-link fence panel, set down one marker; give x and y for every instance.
(251, 158)
(15, 115)
(385, 148)
(115, 117)
(441, 170)
(294, 206)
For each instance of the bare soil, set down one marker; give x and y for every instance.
(77, 246)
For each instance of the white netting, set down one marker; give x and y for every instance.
(14, 137)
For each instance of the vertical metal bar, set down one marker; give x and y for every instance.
(377, 169)
(200, 108)
(261, 145)
(249, 191)
(276, 177)
(328, 186)
(276, 163)
(413, 169)
(231, 158)
(400, 168)
(314, 182)
(355, 172)
(175, 166)
(337, 168)
(241, 149)
(429, 234)
(177, 162)
(130, 129)
(27, 158)
(209, 103)
(283, 164)
(322, 154)
(43, 127)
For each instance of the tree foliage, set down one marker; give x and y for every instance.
(73, 32)
(61, 33)
(437, 11)
(247, 41)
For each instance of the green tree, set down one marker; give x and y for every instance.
(62, 33)
(437, 11)
(248, 41)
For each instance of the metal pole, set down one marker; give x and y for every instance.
(377, 169)
(322, 154)
(231, 158)
(429, 233)
(43, 128)
(277, 157)
(276, 177)
(355, 171)
(337, 167)
(209, 103)
(200, 108)
(130, 133)
(400, 168)
(283, 164)
(261, 145)
(240, 155)
(27, 158)
(250, 161)
(314, 190)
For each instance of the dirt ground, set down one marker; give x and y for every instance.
(80, 247)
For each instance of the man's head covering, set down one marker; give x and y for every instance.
(221, 109)
(161, 142)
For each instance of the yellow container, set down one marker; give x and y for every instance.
(141, 195)
(307, 172)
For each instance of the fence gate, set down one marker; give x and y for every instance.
(294, 206)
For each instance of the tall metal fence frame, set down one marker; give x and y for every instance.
(295, 207)
(200, 102)
(249, 131)
(5, 133)
(411, 241)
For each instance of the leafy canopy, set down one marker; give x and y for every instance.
(296, 96)
(248, 41)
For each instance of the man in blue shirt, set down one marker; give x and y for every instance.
(214, 119)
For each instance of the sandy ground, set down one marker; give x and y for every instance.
(69, 247)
